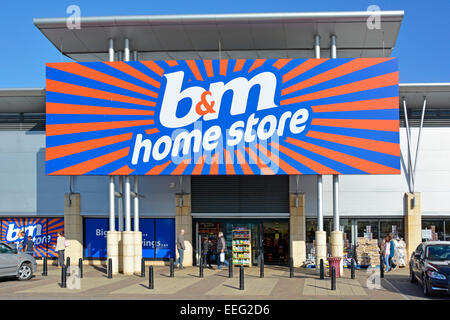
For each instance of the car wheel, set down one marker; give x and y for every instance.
(426, 289)
(25, 272)
(412, 277)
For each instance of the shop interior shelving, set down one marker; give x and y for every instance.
(241, 247)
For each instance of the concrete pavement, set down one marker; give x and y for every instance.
(186, 285)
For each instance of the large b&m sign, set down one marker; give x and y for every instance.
(225, 117)
(43, 231)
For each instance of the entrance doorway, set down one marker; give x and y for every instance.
(267, 237)
(276, 242)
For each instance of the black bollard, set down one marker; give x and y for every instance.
(200, 269)
(322, 270)
(150, 277)
(261, 266)
(241, 278)
(381, 267)
(68, 262)
(353, 269)
(142, 268)
(171, 267)
(80, 268)
(44, 267)
(291, 268)
(64, 277)
(109, 268)
(333, 278)
(230, 268)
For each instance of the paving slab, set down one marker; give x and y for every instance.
(168, 286)
(252, 286)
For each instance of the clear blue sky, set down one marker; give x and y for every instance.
(423, 45)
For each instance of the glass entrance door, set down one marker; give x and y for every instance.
(276, 242)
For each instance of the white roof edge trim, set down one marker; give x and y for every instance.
(22, 92)
(215, 18)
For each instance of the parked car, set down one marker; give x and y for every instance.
(13, 263)
(430, 265)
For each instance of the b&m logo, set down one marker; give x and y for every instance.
(43, 232)
(263, 116)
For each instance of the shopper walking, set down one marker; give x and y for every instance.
(392, 261)
(207, 248)
(221, 250)
(29, 246)
(180, 248)
(60, 247)
(386, 252)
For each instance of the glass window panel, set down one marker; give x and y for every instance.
(447, 230)
(165, 238)
(392, 226)
(363, 228)
(311, 228)
(437, 225)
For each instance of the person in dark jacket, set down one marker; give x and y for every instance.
(221, 251)
(207, 251)
(29, 246)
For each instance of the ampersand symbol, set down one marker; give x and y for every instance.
(208, 107)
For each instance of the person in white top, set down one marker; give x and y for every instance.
(386, 253)
(60, 247)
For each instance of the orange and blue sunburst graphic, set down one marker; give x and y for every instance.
(42, 230)
(102, 117)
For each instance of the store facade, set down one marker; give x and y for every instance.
(339, 177)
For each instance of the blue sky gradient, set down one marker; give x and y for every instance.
(423, 44)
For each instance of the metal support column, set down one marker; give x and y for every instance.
(422, 117)
(112, 199)
(136, 203)
(333, 47)
(127, 204)
(319, 177)
(319, 203)
(408, 138)
(120, 203)
(111, 50)
(126, 50)
(335, 202)
(335, 177)
(317, 46)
